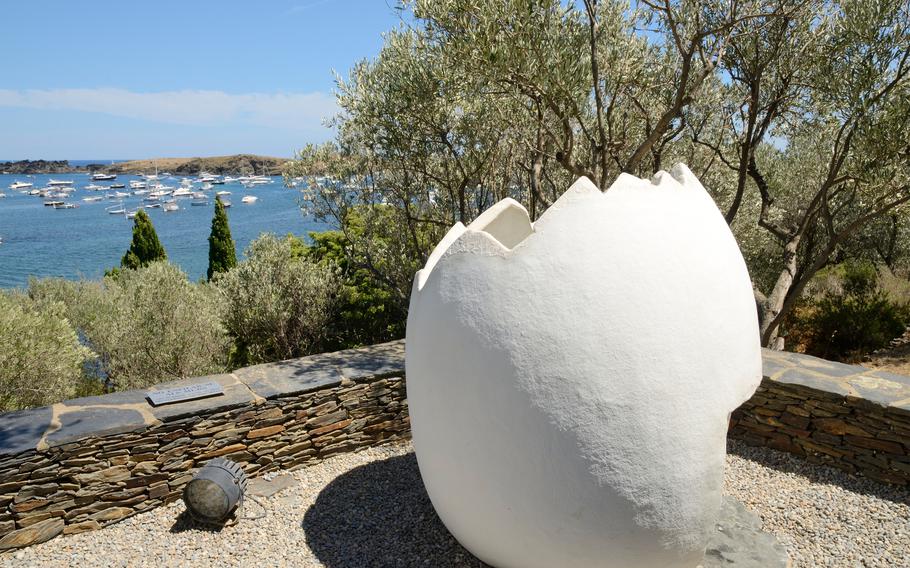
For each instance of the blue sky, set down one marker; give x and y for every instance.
(119, 80)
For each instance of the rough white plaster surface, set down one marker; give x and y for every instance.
(570, 382)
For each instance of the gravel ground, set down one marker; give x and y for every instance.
(370, 509)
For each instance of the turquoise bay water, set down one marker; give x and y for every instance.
(83, 242)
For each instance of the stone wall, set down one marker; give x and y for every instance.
(81, 464)
(845, 416)
(85, 463)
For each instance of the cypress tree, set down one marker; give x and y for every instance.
(222, 255)
(145, 247)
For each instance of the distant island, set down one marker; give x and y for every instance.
(236, 164)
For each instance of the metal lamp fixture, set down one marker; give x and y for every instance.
(215, 490)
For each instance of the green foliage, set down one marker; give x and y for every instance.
(41, 359)
(851, 316)
(222, 252)
(366, 312)
(145, 247)
(276, 307)
(148, 325)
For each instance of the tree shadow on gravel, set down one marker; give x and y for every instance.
(817, 473)
(380, 515)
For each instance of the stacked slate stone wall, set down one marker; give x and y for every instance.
(844, 416)
(82, 464)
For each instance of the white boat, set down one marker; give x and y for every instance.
(121, 194)
(159, 193)
(135, 184)
(2, 195)
(59, 183)
(95, 187)
(226, 203)
(182, 192)
(199, 195)
(249, 199)
(52, 203)
(151, 205)
(91, 199)
(207, 186)
(222, 193)
(170, 206)
(102, 177)
(151, 198)
(131, 214)
(20, 185)
(230, 179)
(116, 209)
(140, 192)
(64, 205)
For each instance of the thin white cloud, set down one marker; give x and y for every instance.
(289, 111)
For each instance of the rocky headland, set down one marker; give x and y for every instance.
(31, 167)
(222, 165)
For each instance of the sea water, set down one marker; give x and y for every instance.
(85, 241)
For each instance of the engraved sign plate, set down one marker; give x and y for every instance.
(181, 394)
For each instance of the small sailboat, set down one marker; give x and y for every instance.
(249, 199)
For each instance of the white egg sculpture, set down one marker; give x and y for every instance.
(570, 381)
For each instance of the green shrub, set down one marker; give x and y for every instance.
(276, 306)
(851, 315)
(41, 359)
(151, 325)
(366, 312)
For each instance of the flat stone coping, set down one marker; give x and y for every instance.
(119, 412)
(878, 388)
(77, 419)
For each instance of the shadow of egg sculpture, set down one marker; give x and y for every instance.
(570, 381)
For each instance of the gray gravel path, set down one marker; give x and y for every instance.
(370, 509)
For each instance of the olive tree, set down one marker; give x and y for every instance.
(151, 325)
(276, 306)
(41, 358)
(816, 130)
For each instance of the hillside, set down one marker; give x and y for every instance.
(237, 164)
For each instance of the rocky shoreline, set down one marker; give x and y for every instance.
(32, 167)
(221, 165)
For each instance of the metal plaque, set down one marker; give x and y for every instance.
(181, 394)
